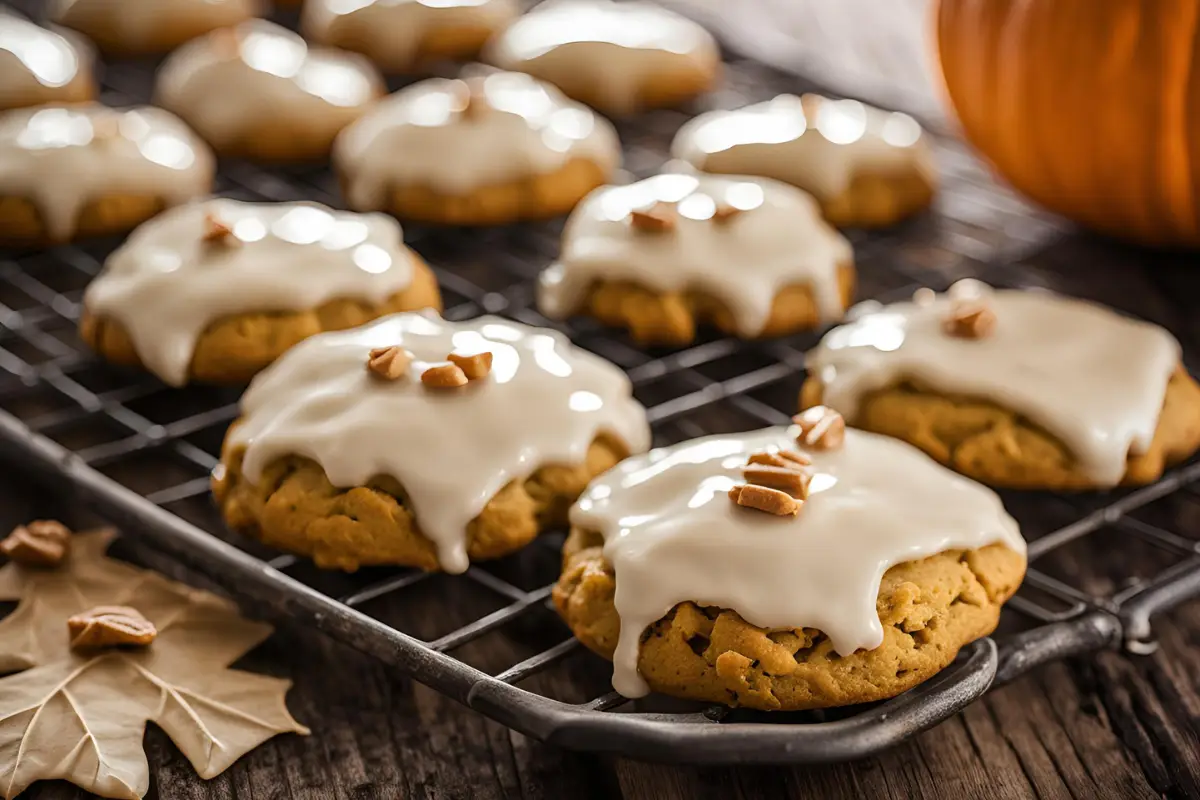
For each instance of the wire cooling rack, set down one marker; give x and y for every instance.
(141, 453)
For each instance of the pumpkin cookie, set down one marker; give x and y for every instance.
(67, 172)
(258, 91)
(423, 442)
(485, 151)
(404, 36)
(620, 58)
(866, 167)
(750, 256)
(785, 569)
(125, 28)
(38, 65)
(215, 291)
(1021, 389)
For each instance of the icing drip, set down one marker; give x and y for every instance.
(421, 135)
(672, 535)
(544, 402)
(167, 284)
(621, 46)
(62, 158)
(778, 240)
(35, 62)
(138, 21)
(230, 83)
(1093, 379)
(811, 142)
(394, 30)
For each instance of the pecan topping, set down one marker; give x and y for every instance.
(106, 126)
(762, 498)
(969, 320)
(389, 363)
(475, 366)
(44, 543)
(821, 428)
(217, 232)
(110, 626)
(444, 376)
(793, 480)
(784, 458)
(725, 214)
(659, 218)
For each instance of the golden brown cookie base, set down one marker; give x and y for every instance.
(101, 26)
(294, 507)
(274, 140)
(1000, 448)
(444, 43)
(664, 89)
(534, 198)
(234, 349)
(671, 318)
(21, 222)
(876, 200)
(929, 609)
(82, 89)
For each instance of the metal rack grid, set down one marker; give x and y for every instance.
(141, 453)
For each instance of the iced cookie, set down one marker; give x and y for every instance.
(407, 35)
(38, 65)
(785, 569)
(125, 28)
(423, 442)
(258, 91)
(865, 166)
(217, 290)
(751, 256)
(620, 58)
(485, 151)
(1023, 389)
(68, 172)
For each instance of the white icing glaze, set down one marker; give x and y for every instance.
(778, 240)
(811, 142)
(38, 64)
(138, 22)
(544, 402)
(619, 46)
(53, 155)
(392, 31)
(673, 535)
(1090, 377)
(166, 285)
(420, 135)
(230, 84)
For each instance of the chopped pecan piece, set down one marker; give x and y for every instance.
(44, 543)
(762, 498)
(821, 428)
(474, 366)
(659, 218)
(389, 363)
(110, 626)
(969, 320)
(444, 376)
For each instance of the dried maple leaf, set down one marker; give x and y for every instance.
(82, 719)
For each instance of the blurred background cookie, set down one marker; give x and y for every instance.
(215, 291)
(404, 36)
(619, 58)
(483, 151)
(259, 91)
(662, 256)
(374, 446)
(865, 166)
(84, 170)
(39, 65)
(124, 28)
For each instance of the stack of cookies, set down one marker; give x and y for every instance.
(842, 559)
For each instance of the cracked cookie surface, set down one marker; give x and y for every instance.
(929, 609)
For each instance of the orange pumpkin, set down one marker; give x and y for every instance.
(1090, 107)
